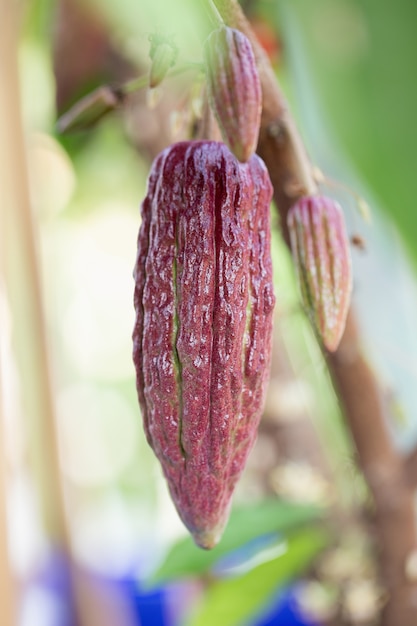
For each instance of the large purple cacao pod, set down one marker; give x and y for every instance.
(202, 338)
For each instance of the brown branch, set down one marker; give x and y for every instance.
(355, 383)
(382, 466)
(410, 467)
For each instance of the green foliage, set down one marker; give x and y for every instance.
(353, 98)
(245, 524)
(359, 59)
(233, 601)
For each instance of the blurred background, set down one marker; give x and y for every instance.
(88, 533)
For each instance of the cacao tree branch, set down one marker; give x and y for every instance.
(107, 98)
(354, 380)
(410, 467)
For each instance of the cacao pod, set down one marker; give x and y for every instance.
(202, 337)
(234, 89)
(321, 253)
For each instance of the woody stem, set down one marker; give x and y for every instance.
(354, 380)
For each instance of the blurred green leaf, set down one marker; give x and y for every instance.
(359, 57)
(353, 117)
(246, 523)
(38, 19)
(233, 601)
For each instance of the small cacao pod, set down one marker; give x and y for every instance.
(163, 54)
(234, 89)
(321, 253)
(202, 336)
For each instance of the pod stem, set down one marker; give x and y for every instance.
(213, 13)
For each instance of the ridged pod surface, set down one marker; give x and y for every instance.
(234, 89)
(321, 253)
(202, 337)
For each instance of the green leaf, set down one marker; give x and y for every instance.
(361, 70)
(350, 113)
(245, 524)
(234, 601)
